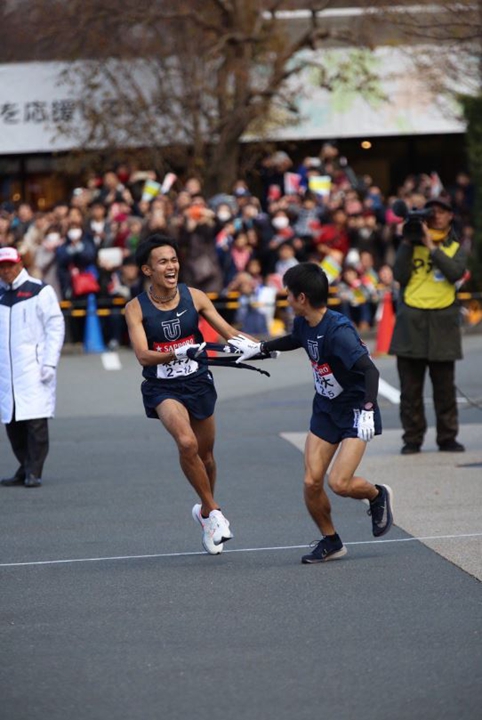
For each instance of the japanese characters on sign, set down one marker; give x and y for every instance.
(37, 112)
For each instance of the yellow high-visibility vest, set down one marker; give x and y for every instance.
(428, 288)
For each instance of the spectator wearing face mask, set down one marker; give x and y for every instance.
(224, 215)
(371, 238)
(78, 251)
(282, 232)
(99, 226)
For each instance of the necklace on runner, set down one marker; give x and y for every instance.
(162, 300)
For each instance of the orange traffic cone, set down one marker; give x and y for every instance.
(386, 324)
(209, 334)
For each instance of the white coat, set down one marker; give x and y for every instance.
(31, 335)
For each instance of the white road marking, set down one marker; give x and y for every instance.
(71, 561)
(388, 392)
(391, 394)
(111, 361)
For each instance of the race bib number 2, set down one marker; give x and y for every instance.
(326, 383)
(177, 368)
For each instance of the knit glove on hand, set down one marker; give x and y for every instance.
(366, 425)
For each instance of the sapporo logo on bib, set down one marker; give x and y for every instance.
(176, 368)
(326, 383)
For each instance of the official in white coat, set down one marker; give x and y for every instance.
(31, 337)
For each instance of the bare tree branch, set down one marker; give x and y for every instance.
(210, 68)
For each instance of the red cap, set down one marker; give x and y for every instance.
(9, 254)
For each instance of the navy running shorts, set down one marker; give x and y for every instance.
(340, 423)
(197, 395)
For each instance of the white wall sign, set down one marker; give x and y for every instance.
(34, 99)
(32, 102)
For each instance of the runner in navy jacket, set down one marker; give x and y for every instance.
(345, 412)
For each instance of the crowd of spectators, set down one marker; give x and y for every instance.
(242, 242)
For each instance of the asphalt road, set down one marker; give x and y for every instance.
(111, 611)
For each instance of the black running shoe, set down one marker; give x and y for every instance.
(325, 550)
(381, 511)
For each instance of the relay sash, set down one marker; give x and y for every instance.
(229, 359)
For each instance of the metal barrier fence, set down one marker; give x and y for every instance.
(85, 317)
(471, 302)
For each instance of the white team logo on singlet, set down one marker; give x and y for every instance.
(313, 350)
(172, 329)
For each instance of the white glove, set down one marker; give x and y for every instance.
(247, 348)
(196, 349)
(47, 374)
(366, 425)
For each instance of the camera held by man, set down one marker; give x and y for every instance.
(413, 220)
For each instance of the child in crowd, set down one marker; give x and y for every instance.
(354, 298)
